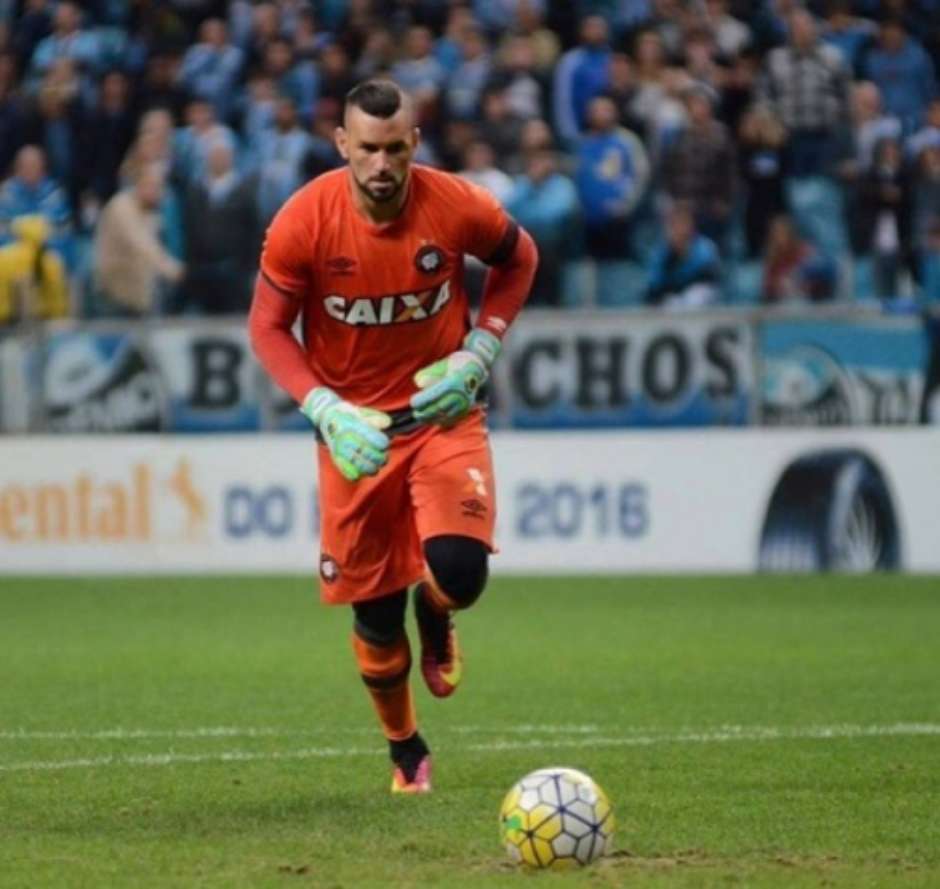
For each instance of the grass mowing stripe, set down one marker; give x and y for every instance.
(727, 734)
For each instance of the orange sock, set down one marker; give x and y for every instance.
(384, 670)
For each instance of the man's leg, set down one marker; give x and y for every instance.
(458, 569)
(384, 658)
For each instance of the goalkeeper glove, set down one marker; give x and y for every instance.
(449, 387)
(353, 434)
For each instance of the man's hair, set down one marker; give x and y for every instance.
(377, 98)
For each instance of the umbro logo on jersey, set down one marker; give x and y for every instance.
(341, 265)
(380, 310)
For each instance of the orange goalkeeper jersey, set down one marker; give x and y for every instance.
(380, 301)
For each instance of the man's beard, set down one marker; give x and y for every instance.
(382, 197)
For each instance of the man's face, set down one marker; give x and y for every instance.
(379, 151)
(30, 166)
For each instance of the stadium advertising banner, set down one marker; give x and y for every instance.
(842, 371)
(658, 501)
(616, 369)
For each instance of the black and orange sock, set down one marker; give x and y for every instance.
(384, 670)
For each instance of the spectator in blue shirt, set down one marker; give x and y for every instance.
(848, 34)
(684, 269)
(280, 155)
(67, 41)
(30, 192)
(903, 72)
(191, 143)
(420, 73)
(545, 202)
(211, 68)
(612, 175)
(465, 85)
(581, 74)
(297, 79)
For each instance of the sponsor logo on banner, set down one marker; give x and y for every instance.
(841, 372)
(137, 504)
(621, 370)
(100, 383)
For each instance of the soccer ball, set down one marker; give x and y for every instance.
(556, 817)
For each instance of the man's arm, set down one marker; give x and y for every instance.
(508, 282)
(270, 328)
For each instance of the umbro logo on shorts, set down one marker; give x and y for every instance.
(329, 570)
(473, 508)
(401, 308)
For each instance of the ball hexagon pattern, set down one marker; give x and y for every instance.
(555, 818)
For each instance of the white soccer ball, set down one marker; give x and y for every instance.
(556, 817)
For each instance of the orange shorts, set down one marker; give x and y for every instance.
(437, 481)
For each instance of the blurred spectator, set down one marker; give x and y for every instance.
(479, 167)
(700, 60)
(529, 24)
(222, 237)
(926, 215)
(500, 126)
(653, 103)
(731, 35)
(700, 166)
(32, 277)
(33, 25)
(869, 126)
(106, 132)
(793, 268)
(545, 203)
(211, 68)
(420, 73)
(848, 34)
(903, 72)
(621, 87)
(54, 119)
(160, 88)
(68, 40)
(31, 192)
(131, 262)
(279, 157)
(465, 85)
(448, 48)
(191, 143)
(297, 79)
(881, 221)
(684, 269)
(335, 75)
(761, 162)
(581, 74)
(323, 154)
(253, 28)
(153, 145)
(929, 133)
(612, 175)
(806, 84)
(517, 74)
(12, 112)
(378, 55)
(498, 16)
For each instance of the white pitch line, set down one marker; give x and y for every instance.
(724, 735)
(227, 731)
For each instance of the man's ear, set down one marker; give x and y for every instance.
(341, 138)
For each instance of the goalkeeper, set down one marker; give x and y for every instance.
(371, 258)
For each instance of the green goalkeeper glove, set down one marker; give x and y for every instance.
(449, 387)
(353, 434)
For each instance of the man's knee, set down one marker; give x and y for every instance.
(381, 621)
(459, 566)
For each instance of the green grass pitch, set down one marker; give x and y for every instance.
(778, 732)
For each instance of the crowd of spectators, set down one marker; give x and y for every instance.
(661, 152)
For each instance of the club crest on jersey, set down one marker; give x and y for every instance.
(429, 259)
(401, 308)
